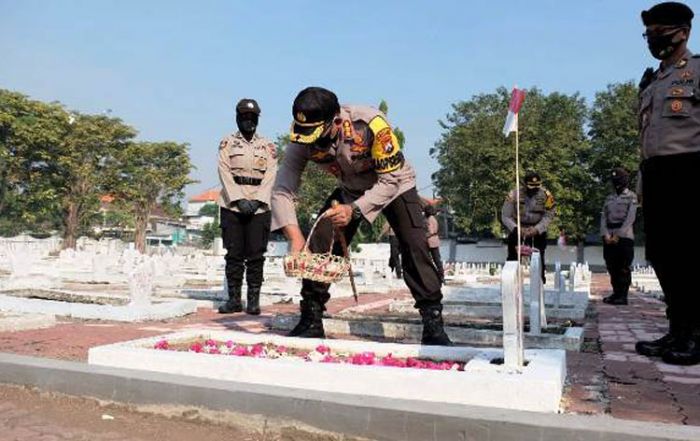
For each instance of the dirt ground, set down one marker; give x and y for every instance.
(31, 415)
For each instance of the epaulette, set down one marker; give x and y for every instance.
(647, 78)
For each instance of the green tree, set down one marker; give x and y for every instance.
(146, 174)
(80, 161)
(614, 140)
(209, 209)
(30, 134)
(477, 161)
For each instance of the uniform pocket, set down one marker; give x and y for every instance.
(236, 160)
(678, 102)
(415, 213)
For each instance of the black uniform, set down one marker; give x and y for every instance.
(669, 119)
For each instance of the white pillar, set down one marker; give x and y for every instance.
(512, 298)
(537, 312)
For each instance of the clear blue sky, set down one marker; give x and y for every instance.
(174, 69)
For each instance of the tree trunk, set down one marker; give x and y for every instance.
(71, 225)
(140, 226)
(579, 251)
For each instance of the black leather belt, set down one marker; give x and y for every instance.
(245, 180)
(615, 225)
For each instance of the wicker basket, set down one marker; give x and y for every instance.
(319, 267)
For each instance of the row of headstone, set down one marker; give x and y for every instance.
(465, 268)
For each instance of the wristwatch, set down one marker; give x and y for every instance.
(356, 212)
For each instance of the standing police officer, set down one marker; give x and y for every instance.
(536, 212)
(669, 120)
(616, 229)
(247, 169)
(357, 145)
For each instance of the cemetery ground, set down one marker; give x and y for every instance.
(605, 378)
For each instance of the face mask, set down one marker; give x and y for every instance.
(531, 191)
(247, 123)
(620, 185)
(326, 140)
(662, 46)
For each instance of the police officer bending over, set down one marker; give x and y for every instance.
(617, 231)
(536, 212)
(669, 119)
(247, 169)
(357, 145)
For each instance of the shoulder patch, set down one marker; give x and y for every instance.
(549, 200)
(386, 153)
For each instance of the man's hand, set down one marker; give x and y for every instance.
(340, 215)
(614, 239)
(295, 237)
(607, 239)
(529, 232)
(247, 207)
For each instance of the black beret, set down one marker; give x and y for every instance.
(668, 14)
(247, 105)
(619, 172)
(533, 179)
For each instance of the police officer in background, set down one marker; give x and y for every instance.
(434, 238)
(357, 145)
(247, 170)
(536, 212)
(669, 119)
(616, 229)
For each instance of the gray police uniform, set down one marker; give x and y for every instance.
(617, 220)
(536, 211)
(669, 121)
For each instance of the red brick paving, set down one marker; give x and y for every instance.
(607, 376)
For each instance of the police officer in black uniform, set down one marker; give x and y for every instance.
(669, 119)
(617, 230)
(247, 170)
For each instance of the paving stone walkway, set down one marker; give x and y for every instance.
(606, 377)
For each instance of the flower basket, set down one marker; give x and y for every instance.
(319, 267)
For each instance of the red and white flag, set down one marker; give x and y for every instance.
(516, 101)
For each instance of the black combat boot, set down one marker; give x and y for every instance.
(685, 352)
(311, 322)
(233, 304)
(615, 299)
(253, 304)
(656, 348)
(433, 327)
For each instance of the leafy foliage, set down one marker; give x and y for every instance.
(477, 162)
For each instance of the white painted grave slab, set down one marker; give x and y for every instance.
(537, 387)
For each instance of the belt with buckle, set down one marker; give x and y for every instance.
(245, 180)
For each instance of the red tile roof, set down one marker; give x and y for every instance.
(210, 195)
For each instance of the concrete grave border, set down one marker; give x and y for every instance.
(537, 388)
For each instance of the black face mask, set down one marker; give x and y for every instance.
(620, 184)
(531, 191)
(325, 142)
(663, 46)
(247, 124)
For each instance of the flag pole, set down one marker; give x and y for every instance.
(517, 189)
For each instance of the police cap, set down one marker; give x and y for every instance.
(668, 14)
(312, 107)
(247, 105)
